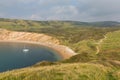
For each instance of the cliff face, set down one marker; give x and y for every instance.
(26, 36)
(36, 38)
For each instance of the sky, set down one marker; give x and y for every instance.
(75, 10)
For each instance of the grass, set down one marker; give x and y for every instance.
(111, 46)
(75, 71)
(112, 42)
(109, 54)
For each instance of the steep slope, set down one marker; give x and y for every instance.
(75, 71)
(111, 46)
(105, 51)
(112, 42)
(26, 36)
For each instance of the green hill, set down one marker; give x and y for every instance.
(75, 71)
(106, 24)
(97, 45)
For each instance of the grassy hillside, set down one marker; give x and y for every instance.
(112, 42)
(97, 45)
(75, 71)
(105, 51)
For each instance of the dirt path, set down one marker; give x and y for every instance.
(97, 47)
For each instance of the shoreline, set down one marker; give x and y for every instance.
(64, 51)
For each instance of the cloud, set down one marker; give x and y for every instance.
(100, 7)
(35, 17)
(59, 13)
(82, 10)
(65, 10)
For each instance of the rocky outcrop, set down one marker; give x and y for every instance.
(36, 38)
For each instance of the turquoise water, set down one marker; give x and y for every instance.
(12, 55)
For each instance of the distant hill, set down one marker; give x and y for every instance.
(105, 24)
(62, 23)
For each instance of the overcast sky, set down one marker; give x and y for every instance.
(78, 10)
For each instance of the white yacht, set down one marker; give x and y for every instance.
(25, 50)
